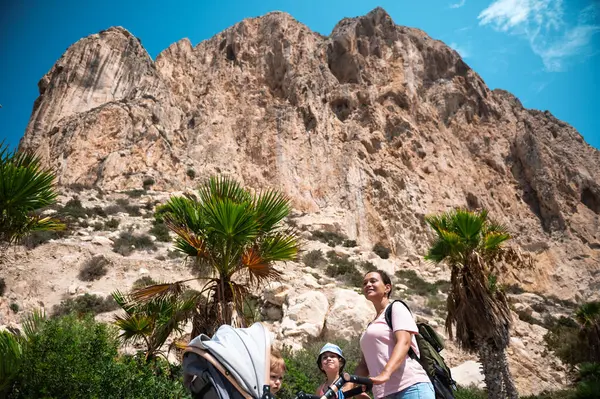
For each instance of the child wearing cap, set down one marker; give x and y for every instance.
(331, 362)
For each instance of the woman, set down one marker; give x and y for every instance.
(331, 362)
(385, 352)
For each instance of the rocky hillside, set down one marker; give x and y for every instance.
(114, 244)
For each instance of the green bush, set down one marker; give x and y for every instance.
(513, 289)
(342, 266)
(175, 254)
(328, 237)
(589, 381)
(470, 393)
(84, 304)
(98, 226)
(191, 173)
(111, 224)
(314, 258)
(113, 209)
(134, 193)
(98, 211)
(381, 251)
(148, 182)
(540, 307)
(302, 373)
(14, 307)
(149, 206)
(369, 266)
(438, 303)
(94, 268)
(39, 237)
(527, 318)
(2, 286)
(127, 243)
(68, 357)
(78, 187)
(562, 394)
(133, 210)
(74, 209)
(565, 339)
(416, 285)
(160, 231)
(350, 243)
(142, 282)
(122, 205)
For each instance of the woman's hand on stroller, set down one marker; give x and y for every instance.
(380, 379)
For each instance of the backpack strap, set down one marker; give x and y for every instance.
(388, 320)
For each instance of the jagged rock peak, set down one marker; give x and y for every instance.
(369, 24)
(378, 122)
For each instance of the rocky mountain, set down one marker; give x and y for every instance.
(367, 130)
(377, 120)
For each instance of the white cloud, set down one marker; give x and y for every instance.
(464, 29)
(459, 4)
(462, 51)
(538, 87)
(543, 23)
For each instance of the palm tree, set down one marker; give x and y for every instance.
(153, 321)
(478, 310)
(11, 349)
(588, 317)
(233, 239)
(24, 189)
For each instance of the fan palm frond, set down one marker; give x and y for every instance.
(33, 323)
(11, 352)
(257, 267)
(25, 187)
(223, 188)
(271, 208)
(187, 241)
(231, 221)
(134, 327)
(155, 291)
(588, 314)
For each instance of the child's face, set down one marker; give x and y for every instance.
(276, 380)
(330, 362)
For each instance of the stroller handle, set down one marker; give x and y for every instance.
(357, 379)
(337, 386)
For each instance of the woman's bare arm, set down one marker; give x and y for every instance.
(362, 369)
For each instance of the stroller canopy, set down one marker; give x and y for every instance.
(242, 351)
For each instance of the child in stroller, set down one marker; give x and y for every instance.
(235, 364)
(277, 371)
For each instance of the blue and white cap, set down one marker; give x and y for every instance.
(333, 348)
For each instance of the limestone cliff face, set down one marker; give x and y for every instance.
(378, 121)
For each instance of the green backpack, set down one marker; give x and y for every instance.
(430, 344)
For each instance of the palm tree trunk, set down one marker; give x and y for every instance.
(492, 371)
(509, 385)
(198, 325)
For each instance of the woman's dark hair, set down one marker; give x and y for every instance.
(385, 278)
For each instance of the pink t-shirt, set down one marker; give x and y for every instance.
(377, 344)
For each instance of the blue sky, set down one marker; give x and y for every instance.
(546, 52)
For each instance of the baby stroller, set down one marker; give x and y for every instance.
(234, 364)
